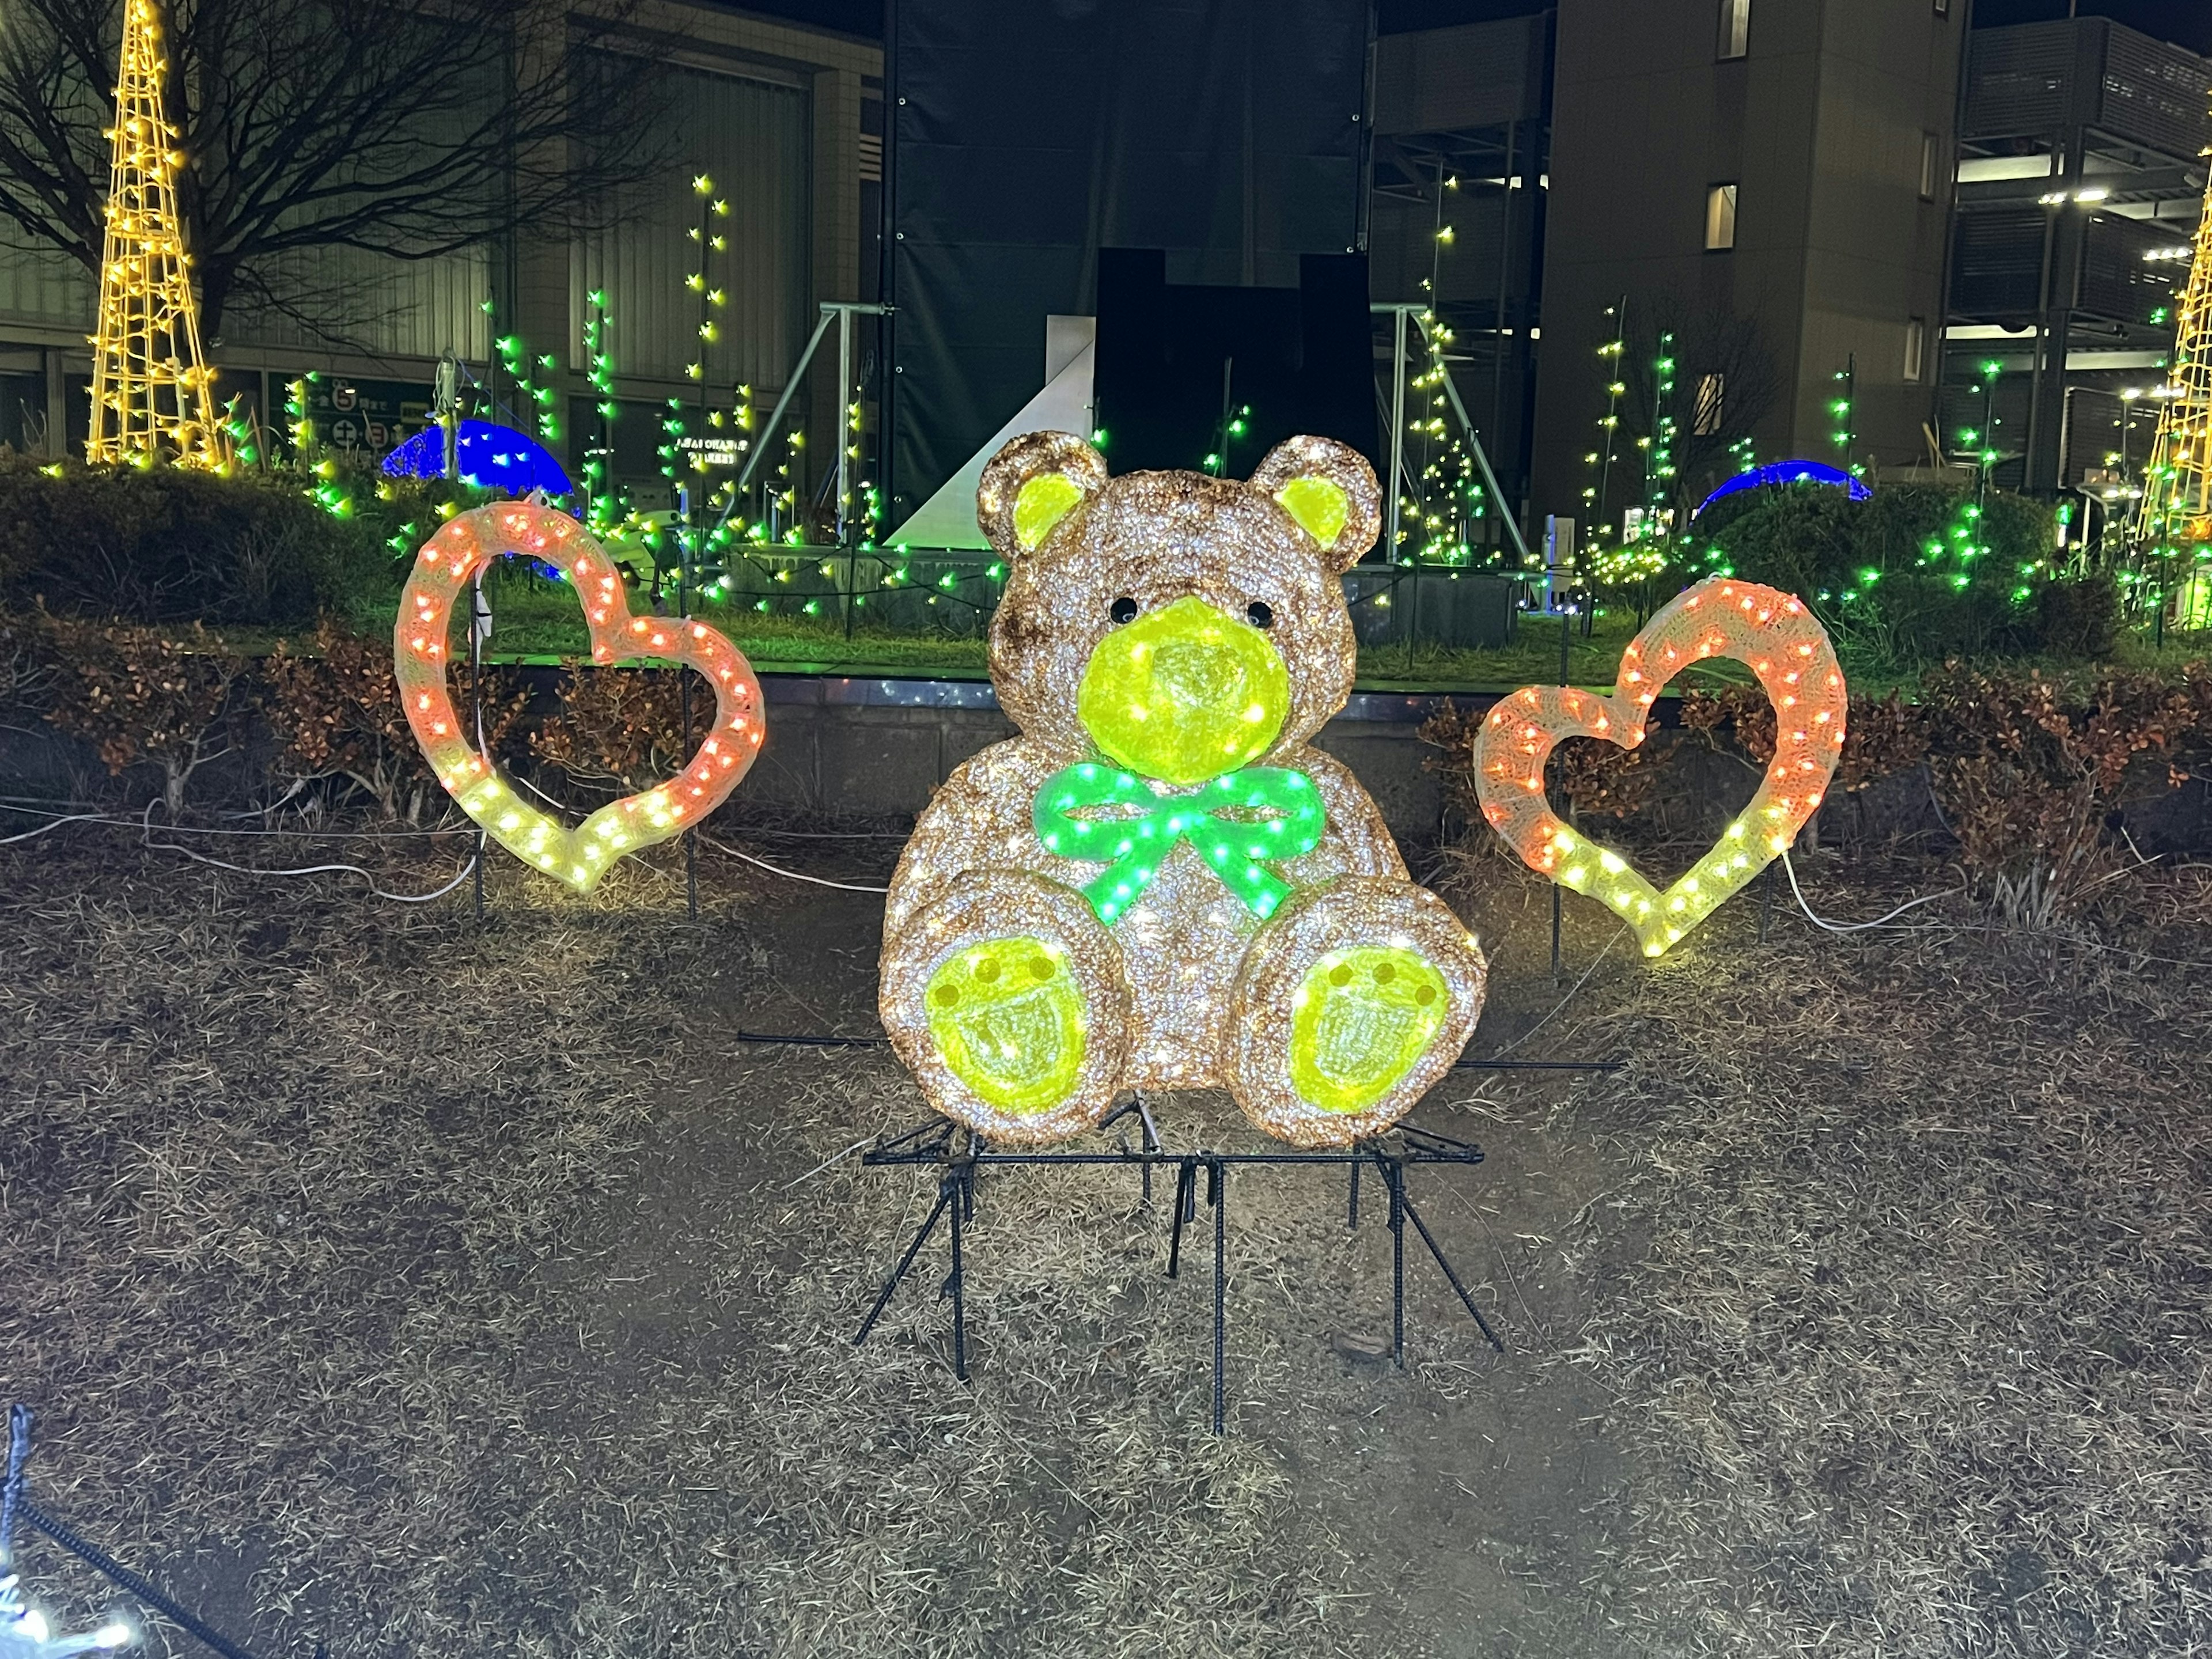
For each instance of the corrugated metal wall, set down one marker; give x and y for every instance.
(2017, 80)
(2020, 83)
(40, 288)
(389, 308)
(2155, 93)
(753, 138)
(379, 305)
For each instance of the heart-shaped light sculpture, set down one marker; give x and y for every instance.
(1773, 634)
(449, 561)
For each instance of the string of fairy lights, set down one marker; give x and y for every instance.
(1439, 518)
(152, 392)
(2174, 521)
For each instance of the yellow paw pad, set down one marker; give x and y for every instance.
(1361, 1020)
(1008, 1018)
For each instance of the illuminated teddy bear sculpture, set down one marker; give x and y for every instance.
(1160, 884)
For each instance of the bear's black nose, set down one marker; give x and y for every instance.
(1123, 610)
(1261, 615)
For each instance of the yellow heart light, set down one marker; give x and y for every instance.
(449, 561)
(1781, 641)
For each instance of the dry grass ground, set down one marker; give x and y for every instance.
(410, 1287)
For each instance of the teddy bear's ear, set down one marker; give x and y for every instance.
(1033, 483)
(1329, 490)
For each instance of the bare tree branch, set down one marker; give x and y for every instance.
(1709, 340)
(409, 127)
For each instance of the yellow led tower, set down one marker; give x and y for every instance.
(150, 389)
(2175, 527)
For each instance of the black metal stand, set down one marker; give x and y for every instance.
(15, 1504)
(959, 1154)
(478, 613)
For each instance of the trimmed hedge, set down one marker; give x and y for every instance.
(163, 545)
(1886, 577)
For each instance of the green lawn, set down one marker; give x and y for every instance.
(535, 621)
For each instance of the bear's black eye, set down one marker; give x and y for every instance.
(1123, 610)
(1260, 614)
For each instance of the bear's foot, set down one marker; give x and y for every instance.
(1354, 999)
(1007, 1018)
(1007, 1001)
(1361, 1020)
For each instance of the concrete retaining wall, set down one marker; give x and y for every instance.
(876, 748)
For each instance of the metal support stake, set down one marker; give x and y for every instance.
(1394, 1176)
(1567, 636)
(945, 1195)
(1351, 1209)
(479, 620)
(1217, 1195)
(1186, 1178)
(961, 1179)
(844, 439)
(1397, 432)
(1428, 1238)
(683, 687)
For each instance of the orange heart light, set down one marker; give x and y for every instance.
(1781, 642)
(449, 561)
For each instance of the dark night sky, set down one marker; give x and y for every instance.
(2186, 22)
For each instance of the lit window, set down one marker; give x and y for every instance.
(1915, 345)
(1720, 217)
(1706, 415)
(1930, 150)
(1736, 28)
(1942, 7)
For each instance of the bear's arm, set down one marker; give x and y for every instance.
(1357, 841)
(979, 818)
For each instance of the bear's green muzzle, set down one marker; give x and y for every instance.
(1184, 694)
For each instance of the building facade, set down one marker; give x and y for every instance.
(1766, 183)
(777, 114)
(2081, 173)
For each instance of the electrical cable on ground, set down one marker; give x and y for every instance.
(326, 869)
(78, 812)
(59, 820)
(2042, 937)
(789, 875)
(107, 821)
(1572, 993)
(1825, 926)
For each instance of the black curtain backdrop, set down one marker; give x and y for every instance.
(1028, 134)
(1175, 358)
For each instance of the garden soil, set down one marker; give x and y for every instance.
(392, 1284)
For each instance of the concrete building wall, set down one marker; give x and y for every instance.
(1889, 78)
(1832, 258)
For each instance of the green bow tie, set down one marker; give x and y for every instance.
(1134, 844)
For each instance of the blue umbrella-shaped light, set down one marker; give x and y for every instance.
(1787, 472)
(491, 458)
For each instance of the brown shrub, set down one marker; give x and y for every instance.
(337, 713)
(620, 728)
(1881, 738)
(2030, 771)
(136, 693)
